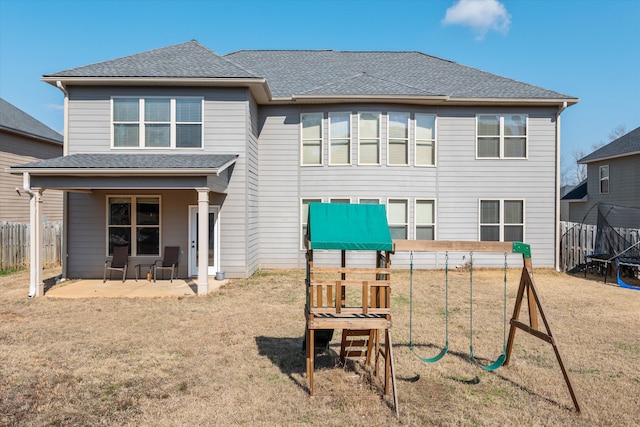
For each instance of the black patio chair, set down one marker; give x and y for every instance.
(169, 262)
(119, 262)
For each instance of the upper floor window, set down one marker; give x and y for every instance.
(369, 138)
(425, 220)
(157, 122)
(311, 138)
(501, 220)
(425, 140)
(604, 179)
(340, 138)
(501, 136)
(398, 133)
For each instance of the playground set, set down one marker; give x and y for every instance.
(357, 300)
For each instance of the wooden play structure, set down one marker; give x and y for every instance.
(356, 300)
(526, 290)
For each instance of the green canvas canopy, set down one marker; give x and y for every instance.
(352, 227)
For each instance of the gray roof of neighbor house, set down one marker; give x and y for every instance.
(13, 119)
(578, 193)
(139, 162)
(296, 74)
(626, 145)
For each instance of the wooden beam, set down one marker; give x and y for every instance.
(453, 246)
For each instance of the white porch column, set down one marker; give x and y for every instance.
(36, 286)
(203, 240)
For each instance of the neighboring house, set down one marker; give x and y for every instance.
(564, 204)
(221, 155)
(613, 177)
(24, 139)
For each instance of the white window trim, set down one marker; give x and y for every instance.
(415, 218)
(501, 222)
(502, 137)
(301, 130)
(331, 199)
(601, 179)
(133, 226)
(369, 198)
(434, 141)
(360, 163)
(408, 139)
(301, 226)
(408, 210)
(172, 123)
(331, 139)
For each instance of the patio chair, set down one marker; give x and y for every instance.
(169, 262)
(119, 262)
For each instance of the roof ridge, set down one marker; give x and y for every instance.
(136, 54)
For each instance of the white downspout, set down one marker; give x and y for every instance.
(36, 286)
(557, 210)
(65, 194)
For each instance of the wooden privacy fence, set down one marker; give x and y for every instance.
(579, 240)
(15, 248)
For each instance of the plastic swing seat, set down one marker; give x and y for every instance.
(503, 357)
(445, 349)
(492, 366)
(433, 359)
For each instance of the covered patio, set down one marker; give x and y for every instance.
(93, 288)
(183, 180)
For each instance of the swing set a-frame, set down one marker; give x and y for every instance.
(526, 289)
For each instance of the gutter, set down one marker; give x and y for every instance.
(558, 236)
(65, 194)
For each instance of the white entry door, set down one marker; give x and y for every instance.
(214, 253)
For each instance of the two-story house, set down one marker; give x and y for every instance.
(221, 155)
(613, 178)
(24, 139)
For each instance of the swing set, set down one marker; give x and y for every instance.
(492, 366)
(526, 289)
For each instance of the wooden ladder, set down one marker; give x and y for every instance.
(361, 344)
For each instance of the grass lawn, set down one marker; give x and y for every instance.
(234, 357)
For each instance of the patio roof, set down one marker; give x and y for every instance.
(129, 164)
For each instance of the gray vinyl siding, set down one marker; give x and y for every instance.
(225, 130)
(624, 190)
(17, 150)
(253, 241)
(457, 183)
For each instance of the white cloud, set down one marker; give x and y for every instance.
(480, 15)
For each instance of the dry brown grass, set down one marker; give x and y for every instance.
(234, 357)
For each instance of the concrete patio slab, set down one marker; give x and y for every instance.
(129, 289)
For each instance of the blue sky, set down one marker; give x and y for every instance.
(589, 49)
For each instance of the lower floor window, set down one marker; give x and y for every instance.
(501, 220)
(398, 218)
(425, 220)
(134, 221)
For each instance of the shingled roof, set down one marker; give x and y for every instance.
(140, 162)
(15, 120)
(326, 72)
(299, 74)
(190, 59)
(626, 145)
